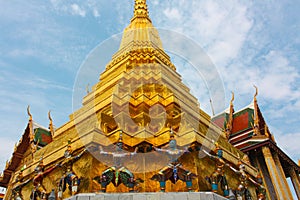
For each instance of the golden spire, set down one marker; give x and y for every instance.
(140, 42)
(230, 121)
(256, 119)
(140, 9)
(140, 33)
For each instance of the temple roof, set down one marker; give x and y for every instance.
(42, 137)
(17, 156)
(250, 132)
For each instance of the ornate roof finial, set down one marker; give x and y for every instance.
(51, 124)
(230, 120)
(256, 91)
(140, 9)
(15, 147)
(7, 164)
(28, 112)
(232, 98)
(256, 119)
(31, 131)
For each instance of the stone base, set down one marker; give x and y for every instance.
(149, 196)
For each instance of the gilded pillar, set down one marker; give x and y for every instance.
(263, 176)
(295, 181)
(282, 176)
(274, 175)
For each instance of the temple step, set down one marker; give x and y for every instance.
(147, 196)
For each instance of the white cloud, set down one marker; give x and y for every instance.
(278, 78)
(77, 10)
(96, 13)
(172, 13)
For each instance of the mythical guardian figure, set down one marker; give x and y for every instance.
(173, 171)
(242, 191)
(218, 175)
(20, 183)
(69, 177)
(117, 174)
(39, 191)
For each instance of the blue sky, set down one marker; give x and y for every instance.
(43, 44)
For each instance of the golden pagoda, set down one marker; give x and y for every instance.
(140, 106)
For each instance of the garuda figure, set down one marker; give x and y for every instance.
(242, 191)
(117, 174)
(69, 177)
(173, 171)
(20, 183)
(39, 191)
(218, 175)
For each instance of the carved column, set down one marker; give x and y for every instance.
(282, 176)
(273, 173)
(295, 181)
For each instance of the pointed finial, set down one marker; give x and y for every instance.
(29, 114)
(232, 98)
(229, 123)
(16, 146)
(49, 116)
(256, 92)
(299, 162)
(140, 9)
(255, 117)
(51, 124)
(6, 164)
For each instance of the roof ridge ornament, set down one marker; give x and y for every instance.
(28, 112)
(51, 128)
(256, 92)
(256, 118)
(232, 98)
(229, 124)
